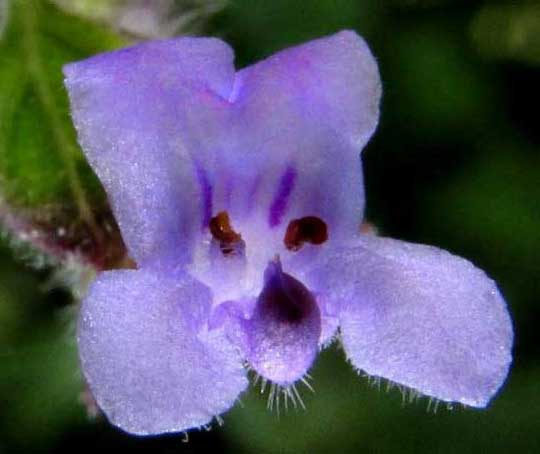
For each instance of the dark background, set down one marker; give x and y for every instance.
(455, 163)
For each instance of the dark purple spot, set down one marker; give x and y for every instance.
(281, 198)
(284, 298)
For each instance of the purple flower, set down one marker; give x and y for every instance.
(240, 195)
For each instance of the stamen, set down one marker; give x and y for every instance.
(308, 229)
(230, 242)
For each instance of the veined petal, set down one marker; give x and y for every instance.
(176, 138)
(304, 115)
(299, 120)
(148, 356)
(421, 317)
(147, 117)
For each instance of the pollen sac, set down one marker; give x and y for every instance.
(230, 242)
(284, 330)
(308, 229)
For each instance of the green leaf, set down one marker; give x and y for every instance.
(39, 159)
(43, 173)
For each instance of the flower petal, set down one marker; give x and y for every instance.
(145, 117)
(148, 357)
(421, 317)
(283, 332)
(304, 115)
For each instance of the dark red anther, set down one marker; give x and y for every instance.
(308, 229)
(220, 227)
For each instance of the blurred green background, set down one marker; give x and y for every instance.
(454, 163)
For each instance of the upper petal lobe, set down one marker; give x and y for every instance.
(304, 115)
(176, 137)
(146, 117)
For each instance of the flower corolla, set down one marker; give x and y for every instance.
(239, 195)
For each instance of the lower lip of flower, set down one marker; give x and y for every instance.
(284, 330)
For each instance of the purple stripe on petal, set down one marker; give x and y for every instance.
(207, 194)
(279, 204)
